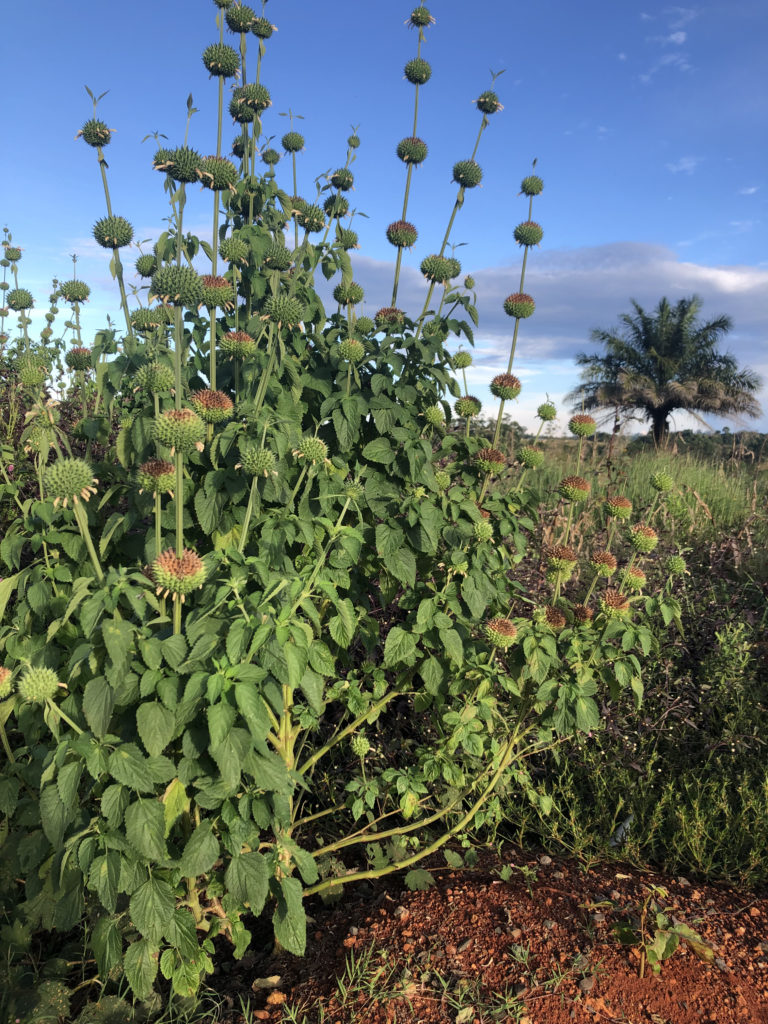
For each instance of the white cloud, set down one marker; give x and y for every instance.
(686, 164)
(676, 38)
(750, 191)
(621, 56)
(680, 16)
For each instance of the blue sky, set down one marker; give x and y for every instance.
(647, 121)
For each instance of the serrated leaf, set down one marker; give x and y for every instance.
(402, 565)
(54, 815)
(247, 879)
(453, 859)
(454, 648)
(128, 765)
(98, 705)
(379, 450)
(68, 782)
(290, 919)
(400, 647)
(145, 829)
(117, 635)
(418, 879)
(152, 906)
(181, 932)
(103, 878)
(321, 659)
(175, 803)
(200, 853)
(107, 945)
(140, 965)
(155, 725)
(174, 650)
(342, 625)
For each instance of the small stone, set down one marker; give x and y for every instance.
(588, 983)
(549, 924)
(545, 861)
(559, 875)
(683, 881)
(598, 917)
(721, 964)
(516, 933)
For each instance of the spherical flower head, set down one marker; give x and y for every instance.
(282, 310)
(270, 157)
(311, 218)
(389, 316)
(19, 299)
(221, 60)
(618, 507)
(483, 531)
(532, 185)
(262, 28)
(212, 406)
(336, 205)
(292, 142)
(402, 234)
(237, 345)
(312, 449)
(662, 481)
(418, 71)
(177, 286)
(146, 265)
(500, 633)
(488, 102)
(633, 578)
(468, 406)
(574, 488)
(435, 416)
(352, 349)
(156, 476)
(519, 306)
(454, 267)
(412, 150)
(38, 685)
(546, 412)
(12, 253)
(582, 425)
(32, 374)
(552, 616)
(469, 281)
(442, 479)
(218, 292)
(528, 233)
(74, 291)
(604, 563)
(68, 480)
(420, 17)
(614, 604)
(558, 577)
(676, 565)
(95, 133)
(364, 325)
(360, 745)
(643, 539)
(530, 457)
(353, 141)
(467, 173)
(347, 238)
(239, 17)
(6, 686)
(343, 179)
(583, 614)
(437, 268)
(505, 386)
(113, 232)
(78, 358)
(183, 164)
(240, 114)
(560, 556)
(161, 158)
(257, 461)
(277, 257)
(157, 378)
(348, 293)
(176, 576)
(253, 96)
(490, 460)
(234, 250)
(181, 430)
(461, 360)
(217, 173)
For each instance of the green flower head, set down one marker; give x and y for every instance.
(528, 233)
(402, 234)
(618, 507)
(146, 265)
(467, 173)
(343, 179)
(239, 17)
(113, 232)
(488, 102)
(412, 150)
(662, 481)
(176, 576)
(180, 430)
(643, 539)
(529, 457)
(257, 461)
(277, 257)
(505, 386)
(483, 531)
(292, 142)
(217, 173)
(352, 349)
(234, 250)
(519, 306)
(221, 60)
(156, 378)
(546, 412)
(500, 633)
(218, 292)
(69, 480)
(177, 286)
(312, 449)
(574, 488)
(532, 185)
(212, 406)
(582, 425)
(282, 309)
(614, 604)
(418, 71)
(603, 563)
(237, 345)
(262, 28)
(468, 406)
(19, 299)
(38, 685)
(78, 358)
(348, 293)
(156, 476)
(490, 460)
(435, 416)
(95, 133)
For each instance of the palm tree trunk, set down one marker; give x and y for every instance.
(660, 427)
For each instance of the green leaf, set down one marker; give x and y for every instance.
(388, 539)
(68, 782)
(103, 878)
(400, 647)
(431, 671)
(128, 765)
(145, 829)
(140, 965)
(453, 859)
(7, 587)
(418, 878)
(402, 565)
(379, 450)
(155, 725)
(54, 815)
(296, 662)
(312, 686)
(152, 907)
(175, 803)
(587, 715)
(98, 705)
(342, 625)
(181, 932)
(475, 600)
(152, 652)
(247, 879)
(290, 919)
(321, 659)
(200, 853)
(107, 945)
(186, 978)
(252, 709)
(117, 635)
(174, 650)
(454, 648)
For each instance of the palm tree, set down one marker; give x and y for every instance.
(662, 361)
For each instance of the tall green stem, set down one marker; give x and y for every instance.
(85, 533)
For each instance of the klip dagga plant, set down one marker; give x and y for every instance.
(281, 604)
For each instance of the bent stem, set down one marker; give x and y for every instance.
(85, 533)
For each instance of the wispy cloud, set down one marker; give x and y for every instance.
(668, 60)
(680, 16)
(675, 39)
(685, 165)
(749, 191)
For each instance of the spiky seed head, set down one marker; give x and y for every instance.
(277, 257)
(234, 250)
(222, 4)
(461, 360)
(184, 164)
(146, 320)
(604, 563)
(262, 28)
(574, 488)
(217, 173)
(218, 292)
(353, 141)
(389, 316)
(74, 291)
(501, 633)
(113, 232)
(352, 349)
(614, 605)
(468, 406)
(240, 114)
(348, 293)
(490, 460)
(257, 461)
(505, 386)
(434, 416)
(221, 60)
(181, 430)
(402, 234)
(254, 96)
(412, 150)
(282, 309)
(532, 185)
(530, 457)
(420, 17)
(270, 157)
(38, 685)
(343, 179)
(442, 479)
(643, 539)
(336, 205)
(292, 142)
(454, 267)
(676, 565)
(582, 425)
(467, 173)
(313, 449)
(488, 102)
(212, 406)
(418, 71)
(146, 265)
(177, 286)
(364, 325)
(19, 299)
(546, 412)
(662, 481)
(95, 133)
(161, 158)
(78, 358)
(633, 578)
(32, 374)
(12, 253)
(6, 686)
(583, 614)
(560, 556)
(157, 476)
(469, 282)
(347, 238)
(237, 345)
(483, 531)
(360, 745)
(519, 306)
(311, 218)
(618, 507)
(437, 268)
(69, 480)
(528, 233)
(239, 17)
(176, 576)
